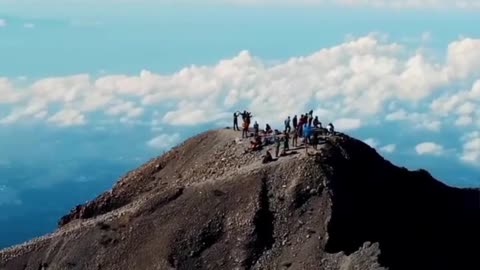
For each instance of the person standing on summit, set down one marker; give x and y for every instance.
(307, 132)
(295, 122)
(288, 128)
(246, 116)
(317, 123)
(310, 118)
(295, 138)
(277, 141)
(235, 121)
(300, 125)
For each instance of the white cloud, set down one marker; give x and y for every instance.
(3, 23)
(68, 117)
(41, 115)
(397, 115)
(346, 124)
(7, 92)
(353, 82)
(418, 120)
(29, 25)
(466, 108)
(463, 57)
(464, 121)
(430, 125)
(464, 104)
(429, 148)
(374, 143)
(33, 108)
(164, 141)
(471, 148)
(371, 142)
(389, 148)
(126, 108)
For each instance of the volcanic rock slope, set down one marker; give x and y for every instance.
(207, 204)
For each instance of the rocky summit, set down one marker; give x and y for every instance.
(210, 204)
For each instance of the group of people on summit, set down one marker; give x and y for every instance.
(306, 126)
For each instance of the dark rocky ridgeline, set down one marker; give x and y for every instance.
(209, 205)
(419, 222)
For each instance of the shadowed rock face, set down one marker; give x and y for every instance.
(418, 222)
(209, 205)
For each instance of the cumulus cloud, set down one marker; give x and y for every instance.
(430, 125)
(32, 109)
(464, 121)
(351, 82)
(397, 115)
(371, 142)
(463, 104)
(7, 92)
(471, 148)
(389, 148)
(429, 148)
(125, 108)
(164, 141)
(463, 57)
(374, 143)
(346, 124)
(68, 117)
(417, 120)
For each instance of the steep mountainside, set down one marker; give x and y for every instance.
(208, 204)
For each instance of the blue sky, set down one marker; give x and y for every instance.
(89, 91)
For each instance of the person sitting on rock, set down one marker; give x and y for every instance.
(256, 144)
(331, 129)
(267, 158)
(268, 129)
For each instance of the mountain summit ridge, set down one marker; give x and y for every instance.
(209, 204)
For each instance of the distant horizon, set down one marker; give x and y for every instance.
(91, 90)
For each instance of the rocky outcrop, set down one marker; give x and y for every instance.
(209, 204)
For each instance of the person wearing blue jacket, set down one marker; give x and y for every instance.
(307, 132)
